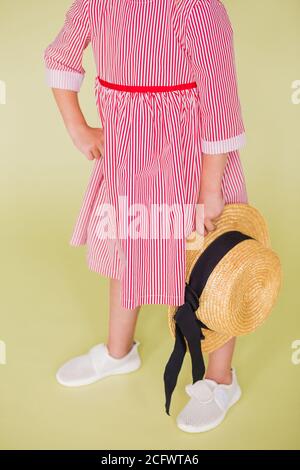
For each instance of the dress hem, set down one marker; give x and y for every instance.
(137, 302)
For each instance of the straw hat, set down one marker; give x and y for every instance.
(232, 282)
(243, 287)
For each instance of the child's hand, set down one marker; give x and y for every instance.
(88, 140)
(213, 203)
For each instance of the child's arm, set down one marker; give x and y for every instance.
(210, 189)
(88, 140)
(65, 74)
(205, 32)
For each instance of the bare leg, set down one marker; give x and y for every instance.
(219, 364)
(122, 323)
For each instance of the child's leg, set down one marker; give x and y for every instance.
(219, 364)
(202, 415)
(122, 323)
(97, 363)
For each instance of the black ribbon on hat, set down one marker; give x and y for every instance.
(188, 328)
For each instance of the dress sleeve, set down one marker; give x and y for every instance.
(63, 57)
(210, 48)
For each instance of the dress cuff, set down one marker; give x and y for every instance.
(64, 80)
(223, 146)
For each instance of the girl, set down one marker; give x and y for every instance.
(171, 131)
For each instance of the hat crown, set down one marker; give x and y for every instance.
(240, 294)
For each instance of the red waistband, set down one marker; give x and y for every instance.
(145, 89)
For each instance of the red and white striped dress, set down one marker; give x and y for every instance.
(153, 139)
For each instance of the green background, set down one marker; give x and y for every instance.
(53, 307)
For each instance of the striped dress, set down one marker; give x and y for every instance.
(139, 205)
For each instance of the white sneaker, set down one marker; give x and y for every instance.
(208, 405)
(96, 365)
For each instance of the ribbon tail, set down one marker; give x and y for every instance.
(198, 365)
(173, 367)
(191, 330)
